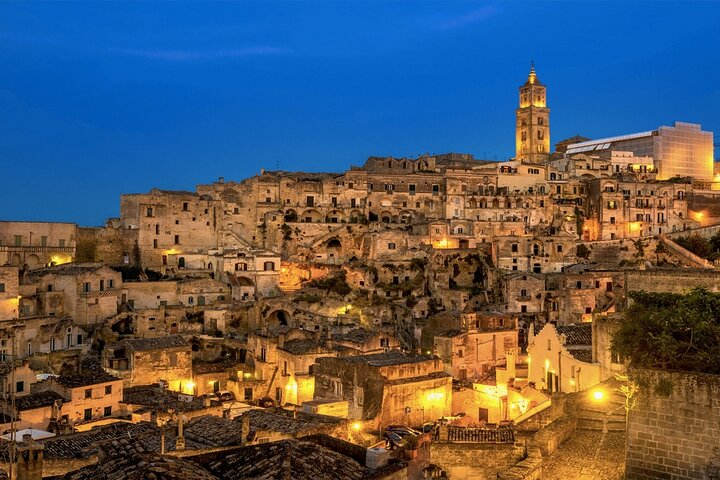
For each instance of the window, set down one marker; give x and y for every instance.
(111, 283)
(460, 354)
(435, 188)
(2, 287)
(269, 266)
(19, 387)
(108, 411)
(559, 248)
(157, 229)
(248, 393)
(149, 212)
(177, 239)
(43, 241)
(18, 240)
(86, 287)
(411, 189)
(549, 344)
(155, 243)
(108, 389)
(612, 220)
(88, 414)
(514, 247)
(172, 359)
(310, 201)
(88, 393)
(391, 246)
(61, 243)
(185, 206)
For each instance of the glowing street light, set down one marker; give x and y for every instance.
(598, 395)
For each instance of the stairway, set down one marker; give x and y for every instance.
(606, 415)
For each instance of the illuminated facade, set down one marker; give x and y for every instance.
(532, 122)
(683, 150)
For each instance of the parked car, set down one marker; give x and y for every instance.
(225, 395)
(394, 440)
(402, 430)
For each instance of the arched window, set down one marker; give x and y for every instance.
(181, 262)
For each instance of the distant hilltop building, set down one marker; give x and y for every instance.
(683, 150)
(532, 122)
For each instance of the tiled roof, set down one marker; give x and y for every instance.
(214, 431)
(91, 373)
(450, 333)
(141, 467)
(213, 367)
(36, 400)
(576, 334)
(151, 396)
(301, 347)
(393, 357)
(86, 444)
(582, 354)
(287, 459)
(168, 341)
(357, 335)
(261, 420)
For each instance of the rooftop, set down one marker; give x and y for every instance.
(301, 347)
(393, 357)
(576, 334)
(36, 400)
(262, 420)
(168, 341)
(288, 459)
(214, 431)
(91, 373)
(152, 397)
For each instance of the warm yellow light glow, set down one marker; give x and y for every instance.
(247, 374)
(188, 387)
(441, 243)
(572, 382)
(357, 426)
(547, 364)
(598, 395)
(635, 226)
(172, 251)
(60, 259)
(431, 397)
(697, 216)
(344, 309)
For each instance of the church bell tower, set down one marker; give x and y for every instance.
(532, 122)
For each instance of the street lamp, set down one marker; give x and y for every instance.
(598, 395)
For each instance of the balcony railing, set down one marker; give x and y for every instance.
(29, 248)
(100, 293)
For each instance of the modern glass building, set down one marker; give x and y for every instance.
(683, 150)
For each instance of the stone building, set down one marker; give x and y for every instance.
(471, 352)
(89, 293)
(37, 244)
(144, 361)
(387, 388)
(86, 396)
(561, 359)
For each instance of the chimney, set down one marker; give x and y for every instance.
(30, 459)
(245, 428)
(180, 440)
(510, 359)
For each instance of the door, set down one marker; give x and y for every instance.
(484, 415)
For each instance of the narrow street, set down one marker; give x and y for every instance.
(588, 455)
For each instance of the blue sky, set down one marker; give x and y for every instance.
(99, 99)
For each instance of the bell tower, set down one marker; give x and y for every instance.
(532, 122)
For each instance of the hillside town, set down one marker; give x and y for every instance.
(435, 316)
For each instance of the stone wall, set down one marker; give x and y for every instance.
(476, 461)
(673, 429)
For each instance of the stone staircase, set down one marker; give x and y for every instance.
(606, 415)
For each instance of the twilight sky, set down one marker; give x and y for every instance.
(99, 99)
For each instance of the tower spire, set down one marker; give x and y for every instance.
(532, 78)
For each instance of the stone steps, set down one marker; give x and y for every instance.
(599, 425)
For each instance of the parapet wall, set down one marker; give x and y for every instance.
(674, 426)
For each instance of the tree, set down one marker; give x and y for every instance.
(671, 331)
